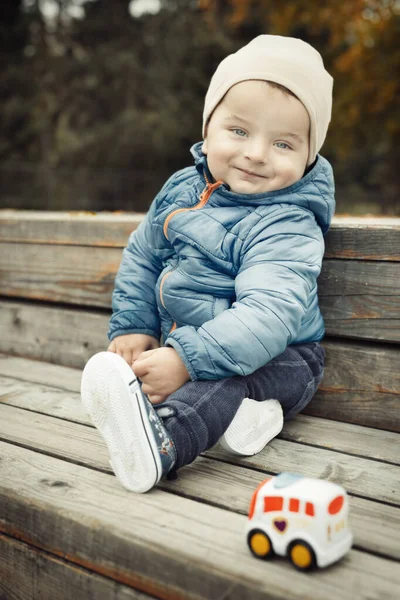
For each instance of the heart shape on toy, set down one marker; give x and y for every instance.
(280, 525)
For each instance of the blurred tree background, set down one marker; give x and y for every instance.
(102, 99)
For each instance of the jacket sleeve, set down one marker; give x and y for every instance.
(133, 300)
(280, 263)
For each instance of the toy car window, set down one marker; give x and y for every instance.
(272, 503)
(309, 509)
(285, 479)
(294, 505)
(336, 505)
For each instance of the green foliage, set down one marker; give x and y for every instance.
(359, 43)
(98, 112)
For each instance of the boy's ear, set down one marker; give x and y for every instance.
(204, 147)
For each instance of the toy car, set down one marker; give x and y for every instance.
(302, 518)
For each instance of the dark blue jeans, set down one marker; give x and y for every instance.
(201, 411)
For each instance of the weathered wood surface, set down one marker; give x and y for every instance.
(28, 574)
(199, 549)
(25, 369)
(217, 482)
(68, 228)
(185, 539)
(214, 482)
(64, 403)
(66, 336)
(83, 445)
(357, 298)
(371, 238)
(364, 238)
(197, 557)
(82, 275)
(361, 383)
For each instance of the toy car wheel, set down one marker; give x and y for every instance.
(260, 544)
(302, 555)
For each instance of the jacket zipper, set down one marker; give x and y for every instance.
(162, 284)
(204, 198)
(161, 296)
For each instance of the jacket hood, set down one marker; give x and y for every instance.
(315, 191)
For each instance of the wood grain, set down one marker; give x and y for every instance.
(28, 574)
(82, 275)
(361, 383)
(364, 238)
(349, 237)
(199, 550)
(68, 228)
(219, 483)
(83, 445)
(357, 297)
(64, 336)
(323, 433)
(27, 369)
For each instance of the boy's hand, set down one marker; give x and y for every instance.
(162, 372)
(131, 345)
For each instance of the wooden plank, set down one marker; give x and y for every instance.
(70, 274)
(102, 229)
(343, 437)
(64, 336)
(364, 238)
(374, 238)
(165, 545)
(368, 409)
(359, 278)
(215, 482)
(44, 399)
(26, 369)
(361, 317)
(360, 385)
(80, 274)
(28, 574)
(375, 526)
(360, 299)
(83, 445)
(333, 435)
(350, 471)
(85, 275)
(361, 296)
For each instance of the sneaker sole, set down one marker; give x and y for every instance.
(112, 397)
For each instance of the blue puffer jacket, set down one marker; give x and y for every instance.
(229, 280)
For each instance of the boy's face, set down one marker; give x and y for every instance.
(257, 139)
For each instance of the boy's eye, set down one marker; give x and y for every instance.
(282, 145)
(239, 132)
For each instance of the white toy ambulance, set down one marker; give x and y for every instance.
(302, 518)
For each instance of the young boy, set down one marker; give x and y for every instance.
(224, 269)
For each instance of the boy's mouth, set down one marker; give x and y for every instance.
(250, 173)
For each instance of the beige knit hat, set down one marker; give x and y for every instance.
(284, 60)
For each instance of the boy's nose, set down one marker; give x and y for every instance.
(256, 152)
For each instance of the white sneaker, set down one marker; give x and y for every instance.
(141, 451)
(253, 426)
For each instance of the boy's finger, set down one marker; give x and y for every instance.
(148, 389)
(156, 399)
(139, 367)
(146, 354)
(127, 356)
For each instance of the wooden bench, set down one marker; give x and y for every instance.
(69, 530)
